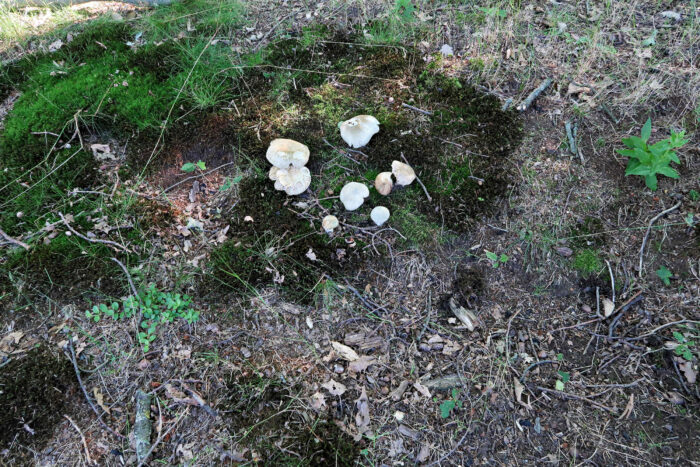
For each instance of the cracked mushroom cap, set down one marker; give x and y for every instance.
(379, 215)
(404, 173)
(353, 195)
(293, 180)
(383, 183)
(357, 131)
(283, 153)
(329, 223)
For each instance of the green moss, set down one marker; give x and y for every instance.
(588, 262)
(275, 247)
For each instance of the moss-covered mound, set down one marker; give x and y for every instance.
(35, 389)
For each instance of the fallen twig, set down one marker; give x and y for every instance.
(343, 152)
(574, 396)
(534, 95)
(85, 393)
(142, 426)
(128, 277)
(13, 240)
(82, 437)
(416, 109)
(419, 181)
(91, 240)
(541, 362)
(646, 236)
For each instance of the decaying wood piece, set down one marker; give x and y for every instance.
(534, 95)
(465, 316)
(364, 341)
(142, 425)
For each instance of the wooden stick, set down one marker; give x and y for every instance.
(91, 240)
(416, 109)
(646, 236)
(534, 95)
(82, 437)
(85, 393)
(13, 240)
(419, 181)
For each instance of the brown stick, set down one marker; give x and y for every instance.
(13, 240)
(91, 240)
(419, 181)
(87, 397)
(82, 437)
(646, 236)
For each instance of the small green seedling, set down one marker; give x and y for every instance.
(156, 307)
(565, 377)
(683, 347)
(694, 195)
(191, 166)
(649, 160)
(664, 274)
(689, 219)
(496, 260)
(448, 406)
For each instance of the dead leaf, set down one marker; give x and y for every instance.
(519, 389)
(688, 371)
(334, 388)
(10, 341)
(318, 402)
(102, 152)
(424, 453)
(628, 409)
(344, 351)
(100, 399)
(608, 307)
(361, 364)
(422, 389)
(311, 255)
(575, 89)
(446, 50)
(55, 45)
(362, 416)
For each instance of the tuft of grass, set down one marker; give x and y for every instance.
(588, 262)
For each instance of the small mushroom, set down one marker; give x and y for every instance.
(329, 223)
(383, 183)
(292, 180)
(379, 215)
(357, 131)
(284, 153)
(353, 195)
(403, 172)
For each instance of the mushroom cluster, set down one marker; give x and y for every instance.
(290, 174)
(288, 171)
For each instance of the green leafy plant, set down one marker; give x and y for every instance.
(404, 9)
(564, 378)
(496, 260)
(191, 166)
(689, 219)
(664, 274)
(694, 195)
(683, 347)
(648, 160)
(155, 308)
(449, 405)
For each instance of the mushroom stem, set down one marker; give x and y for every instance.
(425, 190)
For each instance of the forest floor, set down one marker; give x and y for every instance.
(525, 303)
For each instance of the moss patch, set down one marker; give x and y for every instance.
(35, 390)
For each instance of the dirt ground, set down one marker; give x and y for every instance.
(571, 351)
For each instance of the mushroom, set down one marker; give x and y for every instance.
(357, 131)
(283, 153)
(379, 215)
(353, 195)
(329, 223)
(292, 180)
(383, 183)
(403, 172)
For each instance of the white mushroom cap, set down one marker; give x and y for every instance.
(293, 180)
(379, 215)
(357, 131)
(403, 172)
(353, 195)
(329, 223)
(283, 153)
(383, 183)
